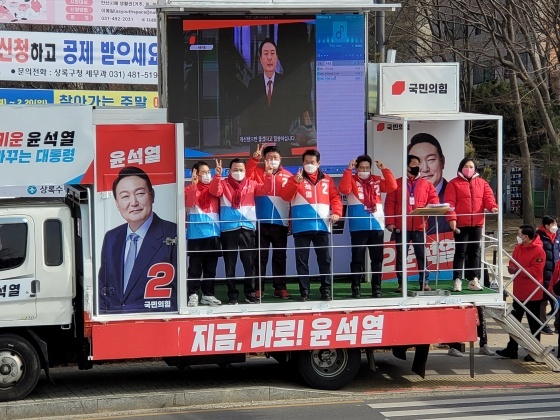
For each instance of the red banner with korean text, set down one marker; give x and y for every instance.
(375, 328)
(150, 147)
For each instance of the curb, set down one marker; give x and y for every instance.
(152, 401)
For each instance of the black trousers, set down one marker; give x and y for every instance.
(277, 236)
(203, 259)
(518, 312)
(417, 239)
(372, 240)
(467, 252)
(320, 241)
(239, 242)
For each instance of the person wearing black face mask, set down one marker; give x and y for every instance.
(420, 193)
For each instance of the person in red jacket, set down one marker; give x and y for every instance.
(366, 219)
(468, 196)
(316, 205)
(273, 214)
(420, 193)
(238, 222)
(530, 255)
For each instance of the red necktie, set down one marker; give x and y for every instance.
(269, 91)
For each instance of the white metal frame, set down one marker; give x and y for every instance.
(404, 119)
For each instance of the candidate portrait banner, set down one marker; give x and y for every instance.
(97, 98)
(149, 151)
(47, 145)
(129, 14)
(78, 58)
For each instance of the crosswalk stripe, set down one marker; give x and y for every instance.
(455, 401)
(460, 410)
(521, 416)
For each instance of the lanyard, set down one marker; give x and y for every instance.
(411, 189)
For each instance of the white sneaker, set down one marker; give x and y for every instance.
(454, 352)
(457, 285)
(475, 285)
(210, 300)
(193, 300)
(486, 351)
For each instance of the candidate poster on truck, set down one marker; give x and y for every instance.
(440, 148)
(136, 245)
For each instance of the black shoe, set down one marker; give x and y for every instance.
(356, 293)
(546, 330)
(252, 298)
(376, 293)
(304, 297)
(326, 295)
(233, 302)
(507, 354)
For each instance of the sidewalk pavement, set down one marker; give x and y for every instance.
(152, 385)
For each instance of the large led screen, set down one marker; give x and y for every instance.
(295, 82)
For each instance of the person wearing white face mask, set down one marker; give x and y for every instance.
(528, 254)
(238, 222)
(273, 214)
(468, 196)
(316, 205)
(547, 233)
(366, 218)
(203, 236)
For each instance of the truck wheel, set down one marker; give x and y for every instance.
(329, 368)
(19, 367)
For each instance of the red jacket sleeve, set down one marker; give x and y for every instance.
(216, 188)
(190, 195)
(489, 199)
(390, 203)
(536, 267)
(289, 191)
(555, 278)
(250, 168)
(388, 183)
(334, 197)
(266, 187)
(450, 197)
(345, 186)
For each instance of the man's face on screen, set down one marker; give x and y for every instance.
(269, 59)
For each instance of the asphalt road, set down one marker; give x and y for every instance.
(457, 406)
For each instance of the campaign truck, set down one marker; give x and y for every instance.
(93, 230)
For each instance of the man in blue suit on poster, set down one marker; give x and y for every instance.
(138, 258)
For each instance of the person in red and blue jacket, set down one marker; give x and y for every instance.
(273, 214)
(468, 196)
(316, 204)
(530, 255)
(203, 236)
(366, 218)
(420, 193)
(238, 219)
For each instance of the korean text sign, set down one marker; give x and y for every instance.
(97, 98)
(45, 144)
(128, 14)
(83, 58)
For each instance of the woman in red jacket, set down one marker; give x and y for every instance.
(468, 196)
